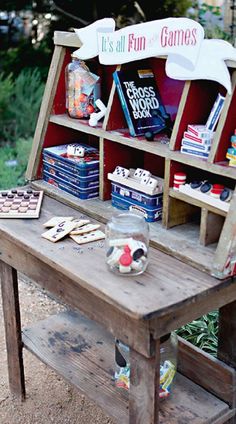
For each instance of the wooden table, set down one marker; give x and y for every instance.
(137, 310)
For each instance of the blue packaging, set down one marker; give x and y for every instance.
(138, 196)
(81, 193)
(150, 213)
(68, 177)
(83, 166)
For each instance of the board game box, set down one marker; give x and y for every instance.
(150, 213)
(20, 203)
(137, 195)
(81, 193)
(72, 178)
(82, 166)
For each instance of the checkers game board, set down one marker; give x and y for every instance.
(20, 203)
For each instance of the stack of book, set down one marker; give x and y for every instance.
(231, 152)
(197, 141)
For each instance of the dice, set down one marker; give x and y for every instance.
(121, 172)
(141, 173)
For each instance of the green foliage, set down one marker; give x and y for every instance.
(25, 55)
(6, 92)
(210, 17)
(13, 176)
(23, 106)
(202, 332)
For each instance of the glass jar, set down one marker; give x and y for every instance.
(127, 244)
(80, 89)
(168, 365)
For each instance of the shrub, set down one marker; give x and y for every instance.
(6, 92)
(23, 105)
(13, 163)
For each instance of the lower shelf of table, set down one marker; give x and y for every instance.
(83, 353)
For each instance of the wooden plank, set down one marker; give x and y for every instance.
(11, 313)
(180, 212)
(187, 197)
(187, 313)
(226, 342)
(173, 145)
(218, 139)
(206, 371)
(118, 135)
(210, 227)
(144, 387)
(83, 353)
(45, 110)
(122, 136)
(66, 39)
(225, 251)
(227, 332)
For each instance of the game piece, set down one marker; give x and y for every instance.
(59, 231)
(122, 172)
(55, 220)
(84, 229)
(226, 195)
(20, 203)
(75, 150)
(87, 238)
(96, 116)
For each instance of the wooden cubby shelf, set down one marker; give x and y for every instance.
(83, 353)
(187, 221)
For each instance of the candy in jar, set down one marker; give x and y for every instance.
(80, 89)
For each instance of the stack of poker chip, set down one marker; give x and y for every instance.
(179, 179)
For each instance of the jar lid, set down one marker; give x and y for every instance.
(128, 220)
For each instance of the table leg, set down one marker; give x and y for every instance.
(227, 341)
(11, 313)
(144, 387)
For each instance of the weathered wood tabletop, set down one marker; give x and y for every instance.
(138, 310)
(167, 286)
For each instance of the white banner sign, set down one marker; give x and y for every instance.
(181, 40)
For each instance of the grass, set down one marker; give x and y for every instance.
(14, 175)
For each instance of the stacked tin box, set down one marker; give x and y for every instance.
(78, 176)
(129, 194)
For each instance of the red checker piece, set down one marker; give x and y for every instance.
(125, 259)
(217, 189)
(179, 176)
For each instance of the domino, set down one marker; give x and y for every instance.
(59, 231)
(85, 229)
(87, 238)
(55, 220)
